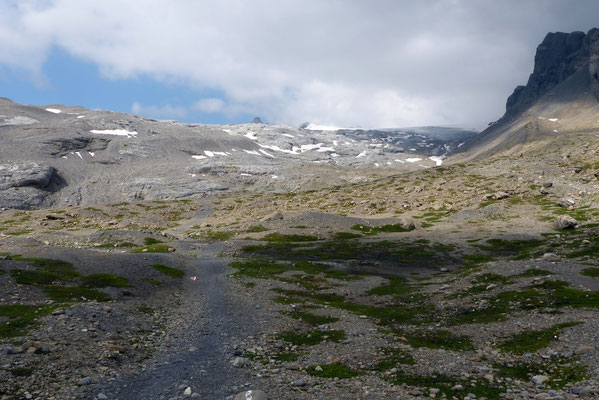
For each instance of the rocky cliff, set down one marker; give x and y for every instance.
(560, 97)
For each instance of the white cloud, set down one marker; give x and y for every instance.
(209, 105)
(380, 63)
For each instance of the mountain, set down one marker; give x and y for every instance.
(59, 155)
(561, 97)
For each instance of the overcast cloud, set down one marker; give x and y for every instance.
(346, 63)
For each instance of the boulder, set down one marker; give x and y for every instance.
(564, 222)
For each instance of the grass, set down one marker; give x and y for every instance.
(479, 387)
(256, 229)
(312, 319)
(62, 269)
(375, 230)
(531, 341)
(439, 339)
(518, 249)
(397, 286)
(346, 235)
(260, 269)
(33, 277)
(534, 272)
(20, 318)
(152, 281)
(168, 271)
(592, 272)
(560, 371)
(392, 358)
(102, 280)
(312, 338)
(292, 238)
(66, 294)
(336, 370)
(153, 248)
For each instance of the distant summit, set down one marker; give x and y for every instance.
(257, 120)
(561, 97)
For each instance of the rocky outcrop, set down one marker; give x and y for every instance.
(25, 186)
(558, 57)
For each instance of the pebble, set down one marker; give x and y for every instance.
(101, 396)
(299, 382)
(187, 391)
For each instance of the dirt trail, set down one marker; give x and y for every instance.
(213, 322)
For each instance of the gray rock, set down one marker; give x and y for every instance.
(32, 174)
(299, 382)
(539, 379)
(85, 381)
(251, 395)
(580, 390)
(239, 362)
(101, 396)
(585, 350)
(564, 222)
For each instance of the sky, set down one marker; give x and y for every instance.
(345, 63)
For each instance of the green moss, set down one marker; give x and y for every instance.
(337, 370)
(531, 341)
(393, 358)
(33, 277)
(592, 272)
(397, 286)
(63, 269)
(104, 280)
(346, 235)
(150, 241)
(518, 249)
(312, 319)
(67, 294)
(439, 339)
(20, 318)
(560, 371)
(21, 371)
(261, 269)
(168, 271)
(256, 229)
(145, 309)
(282, 238)
(312, 338)
(479, 387)
(152, 281)
(375, 230)
(153, 248)
(532, 272)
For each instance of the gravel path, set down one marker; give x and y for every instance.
(202, 346)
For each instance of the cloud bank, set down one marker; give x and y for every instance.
(338, 62)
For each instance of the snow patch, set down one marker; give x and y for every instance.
(288, 135)
(251, 136)
(438, 160)
(317, 127)
(254, 152)
(198, 157)
(209, 153)
(362, 154)
(266, 153)
(79, 154)
(412, 160)
(115, 132)
(81, 116)
(53, 110)
(553, 119)
(91, 153)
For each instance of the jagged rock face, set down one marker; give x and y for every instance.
(24, 186)
(594, 61)
(559, 56)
